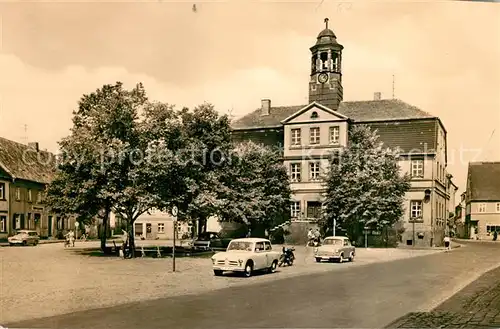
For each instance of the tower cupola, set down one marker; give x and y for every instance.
(325, 85)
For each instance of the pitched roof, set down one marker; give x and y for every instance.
(22, 162)
(358, 111)
(484, 181)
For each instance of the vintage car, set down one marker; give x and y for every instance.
(246, 255)
(335, 248)
(210, 241)
(24, 237)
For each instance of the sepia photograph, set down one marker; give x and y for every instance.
(249, 164)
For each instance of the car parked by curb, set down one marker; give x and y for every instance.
(335, 248)
(24, 237)
(246, 255)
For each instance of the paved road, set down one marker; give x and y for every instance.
(365, 296)
(475, 306)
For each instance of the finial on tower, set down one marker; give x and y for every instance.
(326, 22)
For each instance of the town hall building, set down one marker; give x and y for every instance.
(309, 133)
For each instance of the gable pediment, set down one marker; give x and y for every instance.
(314, 112)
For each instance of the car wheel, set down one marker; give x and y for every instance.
(248, 269)
(35, 243)
(217, 272)
(290, 262)
(341, 258)
(351, 257)
(273, 267)
(25, 243)
(11, 244)
(318, 260)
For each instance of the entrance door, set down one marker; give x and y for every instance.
(38, 223)
(313, 209)
(50, 226)
(149, 231)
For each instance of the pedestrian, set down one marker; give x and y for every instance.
(447, 242)
(317, 236)
(495, 236)
(124, 243)
(71, 238)
(310, 237)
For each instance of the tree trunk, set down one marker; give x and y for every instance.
(131, 237)
(104, 229)
(202, 225)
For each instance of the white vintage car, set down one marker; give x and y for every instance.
(337, 248)
(246, 256)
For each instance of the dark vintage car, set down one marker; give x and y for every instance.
(210, 241)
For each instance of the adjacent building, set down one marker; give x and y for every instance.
(25, 171)
(308, 133)
(482, 200)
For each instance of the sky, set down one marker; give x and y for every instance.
(444, 57)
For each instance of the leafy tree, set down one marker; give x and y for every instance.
(254, 188)
(364, 185)
(206, 140)
(105, 168)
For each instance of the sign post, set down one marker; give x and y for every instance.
(76, 230)
(334, 224)
(174, 214)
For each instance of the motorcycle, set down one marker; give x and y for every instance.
(313, 242)
(287, 257)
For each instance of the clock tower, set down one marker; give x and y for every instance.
(325, 84)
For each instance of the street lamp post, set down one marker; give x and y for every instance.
(334, 224)
(76, 230)
(174, 214)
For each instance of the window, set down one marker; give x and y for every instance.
(2, 191)
(482, 207)
(417, 168)
(267, 246)
(161, 228)
(296, 138)
(29, 195)
(3, 224)
(295, 170)
(39, 197)
(314, 171)
(334, 135)
(314, 135)
(18, 193)
(415, 209)
(314, 115)
(259, 246)
(498, 207)
(295, 209)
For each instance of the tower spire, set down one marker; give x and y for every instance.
(326, 22)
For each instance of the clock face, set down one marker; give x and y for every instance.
(323, 77)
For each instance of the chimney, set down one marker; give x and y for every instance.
(377, 96)
(265, 107)
(34, 146)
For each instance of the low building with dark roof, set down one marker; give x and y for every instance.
(308, 133)
(482, 200)
(25, 171)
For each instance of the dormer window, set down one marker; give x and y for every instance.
(314, 115)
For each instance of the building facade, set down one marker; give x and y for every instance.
(309, 133)
(25, 171)
(482, 200)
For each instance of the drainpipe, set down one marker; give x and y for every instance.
(432, 204)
